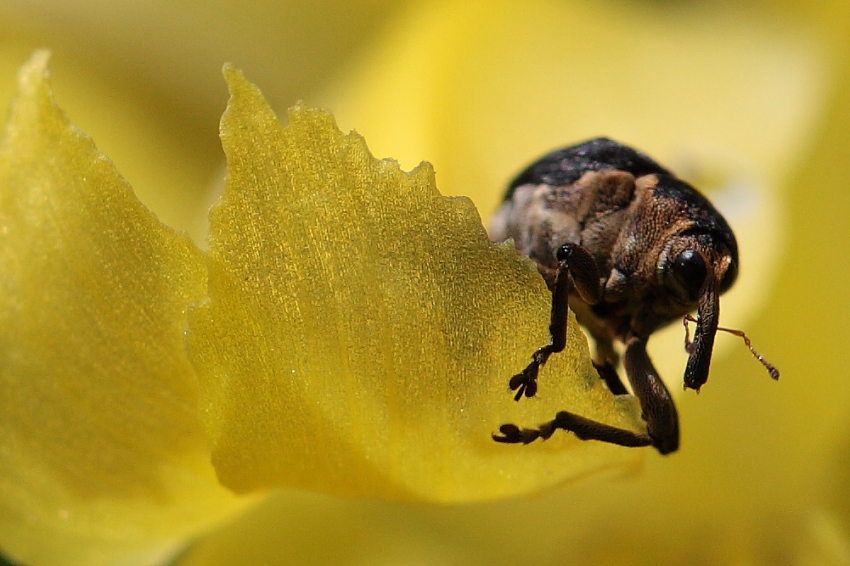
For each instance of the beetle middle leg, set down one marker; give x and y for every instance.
(576, 270)
(659, 412)
(609, 375)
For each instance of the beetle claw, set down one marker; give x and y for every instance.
(512, 434)
(525, 382)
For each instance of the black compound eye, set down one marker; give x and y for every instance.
(690, 271)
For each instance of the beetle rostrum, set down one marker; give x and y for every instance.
(630, 248)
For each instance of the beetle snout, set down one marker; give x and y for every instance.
(696, 372)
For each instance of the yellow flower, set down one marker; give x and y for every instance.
(324, 350)
(99, 400)
(751, 104)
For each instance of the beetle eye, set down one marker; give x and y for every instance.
(689, 271)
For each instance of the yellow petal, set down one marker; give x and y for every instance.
(102, 457)
(361, 329)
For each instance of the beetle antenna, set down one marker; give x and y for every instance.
(771, 369)
(689, 345)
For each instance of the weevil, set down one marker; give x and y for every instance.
(630, 248)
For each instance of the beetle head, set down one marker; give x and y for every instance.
(697, 269)
(697, 262)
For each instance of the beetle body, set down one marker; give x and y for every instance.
(631, 248)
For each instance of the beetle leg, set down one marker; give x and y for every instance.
(662, 422)
(605, 353)
(585, 429)
(583, 270)
(576, 269)
(609, 375)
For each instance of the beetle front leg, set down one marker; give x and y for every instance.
(659, 411)
(576, 269)
(662, 422)
(583, 428)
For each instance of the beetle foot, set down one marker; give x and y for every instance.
(512, 434)
(525, 383)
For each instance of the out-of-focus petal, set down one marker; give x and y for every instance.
(142, 78)
(170, 161)
(361, 328)
(101, 454)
